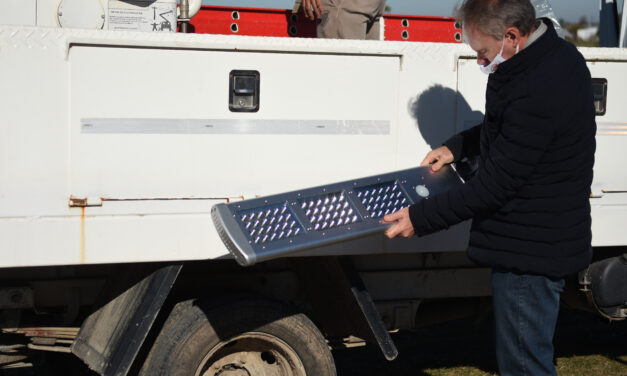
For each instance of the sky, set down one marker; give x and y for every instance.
(569, 10)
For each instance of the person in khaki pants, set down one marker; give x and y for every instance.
(344, 19)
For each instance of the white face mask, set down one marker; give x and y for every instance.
(494, 64)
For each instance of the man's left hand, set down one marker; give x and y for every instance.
(312, 9)
(401, 224)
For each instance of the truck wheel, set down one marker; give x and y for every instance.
(239, 338)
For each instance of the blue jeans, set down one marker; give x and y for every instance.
(525, 314)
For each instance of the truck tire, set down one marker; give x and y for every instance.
(243, 337)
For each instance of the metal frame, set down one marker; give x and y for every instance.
(341, 302)
(286, 23)
(623, 29)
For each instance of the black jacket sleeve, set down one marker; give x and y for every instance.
(465, 144)
(526, 132)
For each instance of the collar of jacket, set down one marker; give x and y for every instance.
(531, 55)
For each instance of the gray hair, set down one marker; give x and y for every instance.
(492, 17)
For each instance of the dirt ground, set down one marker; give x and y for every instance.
(585, 344)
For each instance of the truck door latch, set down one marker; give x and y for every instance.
(599, 92)
(244, 91)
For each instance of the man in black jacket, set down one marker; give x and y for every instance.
(529, 200)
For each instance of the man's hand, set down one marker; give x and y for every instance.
(402, 224)
(438, 158)
(312, 8)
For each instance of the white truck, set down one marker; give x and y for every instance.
(115, 145)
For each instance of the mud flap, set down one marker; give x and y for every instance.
(112, 335)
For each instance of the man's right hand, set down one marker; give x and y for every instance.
(438, 158)
(312, 8)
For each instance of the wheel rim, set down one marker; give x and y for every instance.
(252, 354)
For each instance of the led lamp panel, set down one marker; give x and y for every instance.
(329, 210)
(269, 223)
(274, 226)
(382, 199)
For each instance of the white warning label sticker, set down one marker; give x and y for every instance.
(142, 15)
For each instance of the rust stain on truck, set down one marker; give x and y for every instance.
(82, 256)
(80, 203)
(84, 202)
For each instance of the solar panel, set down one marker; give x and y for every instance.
(274, 226)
